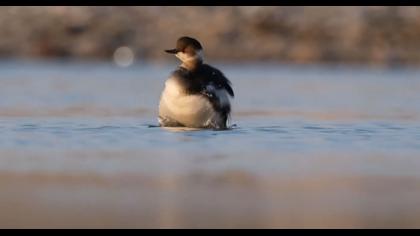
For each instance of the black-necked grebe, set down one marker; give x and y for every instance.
(196, 95)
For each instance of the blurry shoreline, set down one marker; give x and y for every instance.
(385, 36)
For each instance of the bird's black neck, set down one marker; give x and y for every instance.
(192, 65)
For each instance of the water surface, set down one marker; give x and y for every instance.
(312, 146)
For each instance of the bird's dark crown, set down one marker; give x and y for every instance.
(185, 42)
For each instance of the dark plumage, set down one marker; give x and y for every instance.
(185, 43)
(198, 80)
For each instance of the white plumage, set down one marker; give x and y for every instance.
(178, 108)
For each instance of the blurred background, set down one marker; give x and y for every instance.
(378, 35)
(326, 114)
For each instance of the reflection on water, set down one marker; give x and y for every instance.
(311, 147)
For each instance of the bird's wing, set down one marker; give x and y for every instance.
(221, 81)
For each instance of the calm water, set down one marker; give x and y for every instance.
(311, 146)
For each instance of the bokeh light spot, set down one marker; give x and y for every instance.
(123, 56)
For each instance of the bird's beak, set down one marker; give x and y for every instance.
(172, 51)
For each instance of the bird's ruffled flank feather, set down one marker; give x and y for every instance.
(219, 78)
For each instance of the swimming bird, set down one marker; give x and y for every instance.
(196, 94)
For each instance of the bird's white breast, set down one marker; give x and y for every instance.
(189, 110)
